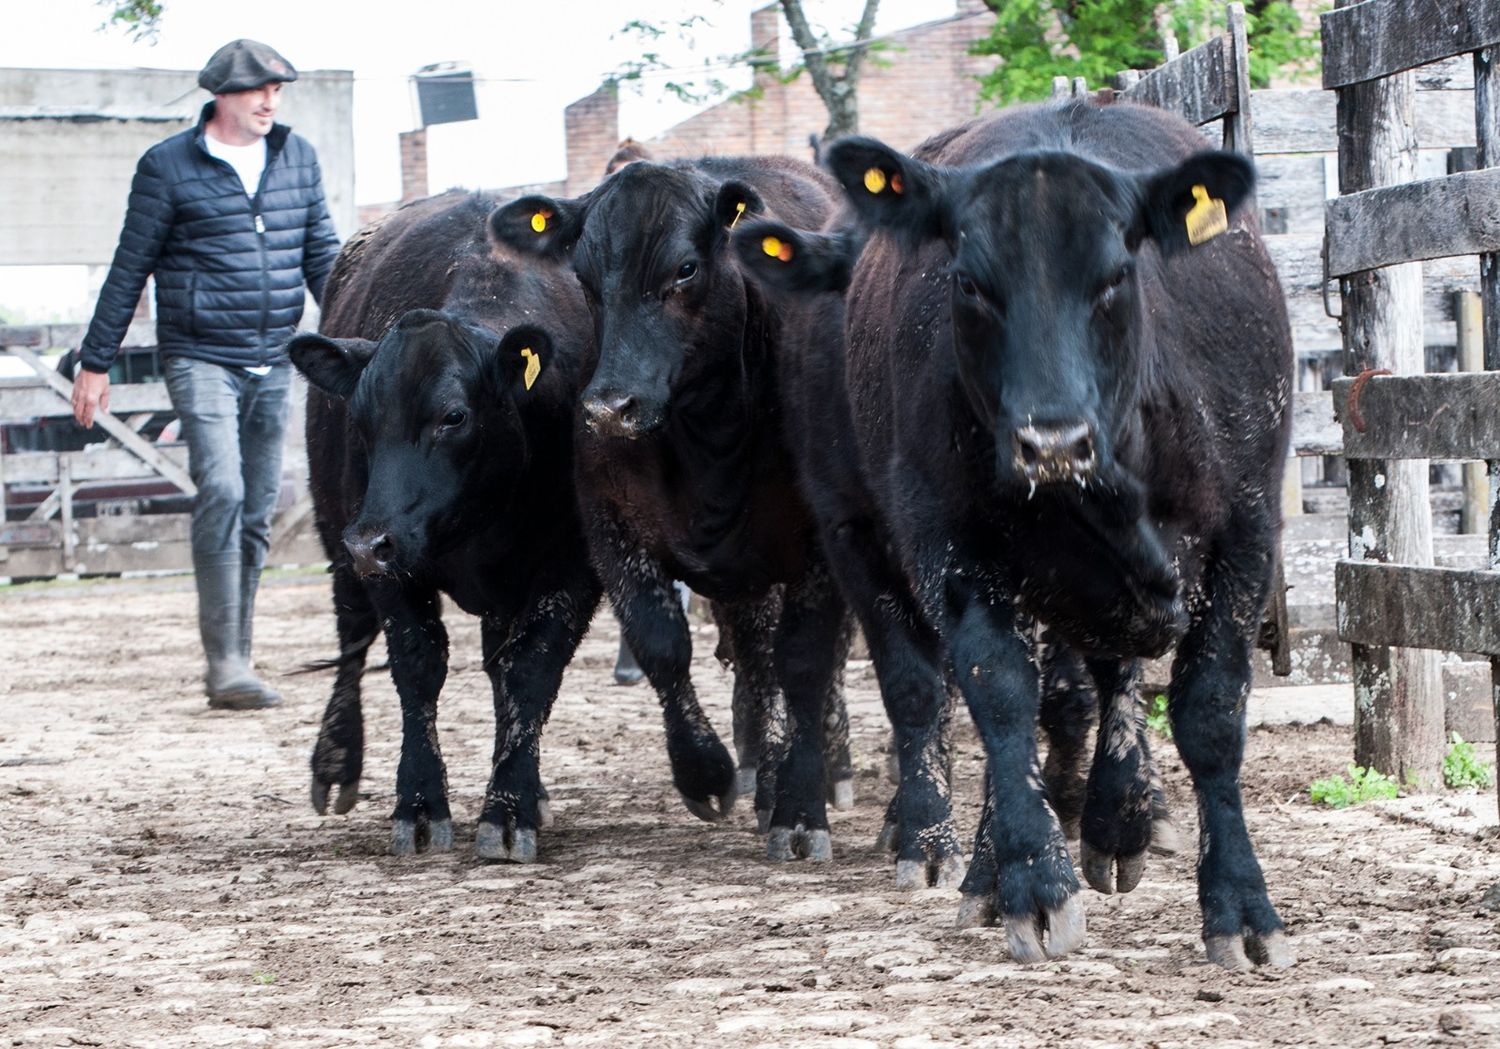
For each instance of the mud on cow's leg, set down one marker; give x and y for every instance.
(807, 641)
(1067, 714)
(525, 662)
(338, 757)
(656, 629)
(418, 646)
(1117, 812)
(746, 640)
(1206, 702)
(838, 762)
(1035, 889)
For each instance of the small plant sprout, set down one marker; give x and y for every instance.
(1156, 716)
(262, 978)
(1362, 785)
(1462, 767)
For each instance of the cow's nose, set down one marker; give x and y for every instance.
(1049, 454)
(372, 553)
(614, 414)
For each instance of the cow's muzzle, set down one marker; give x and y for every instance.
(372, 551)
(1055, 453)
(619, 415)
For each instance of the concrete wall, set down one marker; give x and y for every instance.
(70, 139)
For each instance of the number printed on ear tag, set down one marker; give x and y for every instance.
(533, 366)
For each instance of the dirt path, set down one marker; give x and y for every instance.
(163, 881)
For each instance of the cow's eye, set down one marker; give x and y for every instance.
(456, 417)
(1111, 289)
(966, 286)
(687, 271)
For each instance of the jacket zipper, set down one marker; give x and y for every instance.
(265, 283)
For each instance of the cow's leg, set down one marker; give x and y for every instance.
(418, 647)
(837, 760)
(1034, 887)
(1067, 713)
(338, 757)
(807, 643)
(656, 629)
(1206, 702)
(525, 660)
(746, 635)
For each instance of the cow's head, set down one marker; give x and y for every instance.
(438, 403)
(1047, 297)
(649, 245)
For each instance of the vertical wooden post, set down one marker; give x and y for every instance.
(1237, 132)
(65, 489)
(1487, 143)
(1398, 696)
(1080, 87)
(1474, 516)
(1060, 87)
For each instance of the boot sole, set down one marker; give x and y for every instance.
(250, 700)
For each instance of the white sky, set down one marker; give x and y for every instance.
(532, 59)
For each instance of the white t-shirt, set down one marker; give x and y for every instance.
(249, 161)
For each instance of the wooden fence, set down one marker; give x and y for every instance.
(47, 538)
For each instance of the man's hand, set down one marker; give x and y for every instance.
(90, 394)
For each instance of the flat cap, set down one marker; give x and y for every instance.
(244, 65)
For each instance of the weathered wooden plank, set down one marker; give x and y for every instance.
(1399, 709)
(1450, 416)
(1315, 431)
(1445, 609)
(1376, 38)
(97, 555)
(24, 399)
(100, 464)
(1429, 219)
(1239, 131)
(1198, 84)
(68, 336)
(1301, 120)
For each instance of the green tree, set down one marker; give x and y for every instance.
(1037, 40)
(139, 18)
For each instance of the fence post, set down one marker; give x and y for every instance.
(1060, 87)
(1398, 695)
(1487, 143)
(1474, 516)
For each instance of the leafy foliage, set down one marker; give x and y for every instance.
(1462, 767)
(1037, 40)
(141, 19)
(1362, 785)
(1156, 716)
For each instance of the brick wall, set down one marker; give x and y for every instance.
(413, 164)
(592, 127)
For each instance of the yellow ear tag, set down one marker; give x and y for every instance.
(874, 180)
(777, 248)
(533, 367)
(539, 221)
(1207, 217)
(739, 213)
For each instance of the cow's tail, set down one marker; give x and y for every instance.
(353, 654)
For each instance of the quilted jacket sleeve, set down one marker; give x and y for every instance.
(322, 244)
(148, 221)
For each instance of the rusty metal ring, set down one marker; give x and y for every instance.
(1354, 392)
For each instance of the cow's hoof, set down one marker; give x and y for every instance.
(841, 794)
(792, 843)
(543, 813)
(1166, 836)
(1234, 952)
(494, 842)
(1100, 869)
(1065, 925)
(943, 872)
(348, 797)
(975, 911)
(411, 836)
(711, 809)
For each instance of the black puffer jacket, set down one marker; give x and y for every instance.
(230, 271)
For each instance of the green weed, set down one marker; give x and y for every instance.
(1464, 768)
(1156, 716)
(1362, 785)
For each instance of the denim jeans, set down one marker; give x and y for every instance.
(234, 424)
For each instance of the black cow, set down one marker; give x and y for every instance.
(1069, 414)
(715, 456)
(442, 461)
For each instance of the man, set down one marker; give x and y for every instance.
(230, 217)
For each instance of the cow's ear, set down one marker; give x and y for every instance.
(787, 260)
(888, 189)
(736, 202)
(1187, 205)
(332, 365)
(523, 354)
(537, 225)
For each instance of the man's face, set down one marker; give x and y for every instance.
(250, 113)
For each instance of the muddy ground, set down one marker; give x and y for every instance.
(164, 882)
